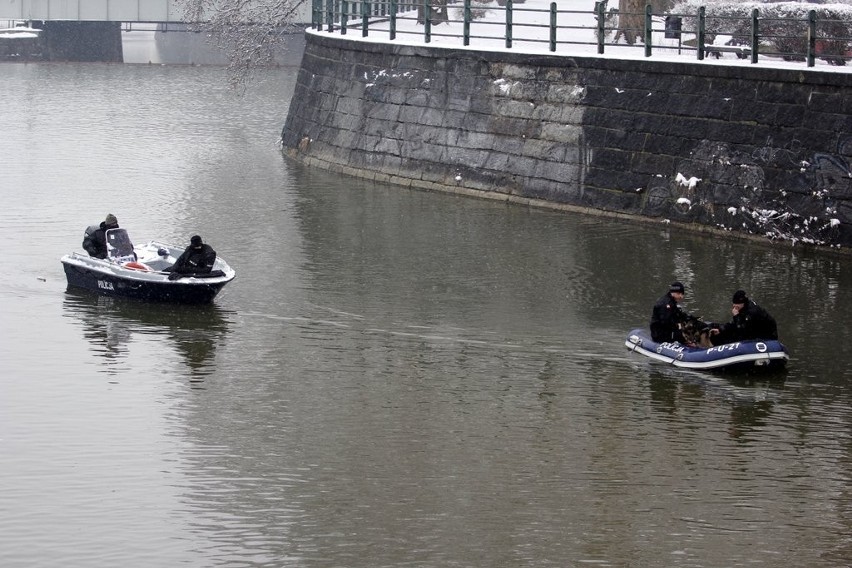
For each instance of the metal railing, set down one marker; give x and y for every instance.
(790, 39)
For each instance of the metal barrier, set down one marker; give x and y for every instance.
(790, 39)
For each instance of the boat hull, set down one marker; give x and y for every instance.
(741, 356)
(124, 287)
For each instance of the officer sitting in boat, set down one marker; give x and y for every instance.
(667, 318)
(198, 258)
(94, 239)
(750, 321)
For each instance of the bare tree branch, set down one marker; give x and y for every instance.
(249, 31)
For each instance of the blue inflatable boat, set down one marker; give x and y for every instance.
(739, 356)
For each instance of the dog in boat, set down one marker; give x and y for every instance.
(696, 332)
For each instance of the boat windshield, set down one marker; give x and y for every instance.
(119, 247)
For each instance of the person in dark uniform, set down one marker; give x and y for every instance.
(94, 239)
(750, 321)
(198, 258)
(667, 317)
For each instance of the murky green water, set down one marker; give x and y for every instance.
(395, 378)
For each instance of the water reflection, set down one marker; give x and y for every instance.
(751, 397)
(112, 325)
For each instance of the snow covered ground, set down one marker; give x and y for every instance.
(576, 35)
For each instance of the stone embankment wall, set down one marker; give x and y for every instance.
(742, 149)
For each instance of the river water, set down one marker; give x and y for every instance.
(395, 378)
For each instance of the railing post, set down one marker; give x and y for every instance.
(365, 17)
(648, 30)
(329, 15)
(812, 18)
(466, 26)
(508, 23)
(393, 10)
(344, 16)
(427, 21)
(599, 8)
(701, 28)
(755, 34)
(553, 26)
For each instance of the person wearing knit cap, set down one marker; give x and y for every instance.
(667, 317)
(94, 239)
(750, 321)
(198, 258)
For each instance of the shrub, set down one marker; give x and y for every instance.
(478, 10)
(783, 26)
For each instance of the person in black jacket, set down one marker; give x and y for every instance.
(94, 239)
(750, 321)
(198, 258)
(667, 317)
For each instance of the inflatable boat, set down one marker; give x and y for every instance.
(140, 273)
(737, 356)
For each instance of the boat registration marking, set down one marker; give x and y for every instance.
(723, 348)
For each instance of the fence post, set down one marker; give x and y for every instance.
(553, 26)
(599, 8)
(648, 30)
(755, 34)
(393, 10)
(329, 15)
(427, 21)
(365, 17)
(701, 33)
(466, 27)
(316, 15)
(508, 23)
(344, 16)
(812, 17)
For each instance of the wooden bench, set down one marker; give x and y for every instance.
(741, 51)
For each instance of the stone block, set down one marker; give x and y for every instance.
(620, 139)
(544, 150)
(730, 132)
(557, 171)
(563, 133)
(653, 164)
(789, 115)
(474, 140)
(827, 122)
(568, 94)
(513, 108)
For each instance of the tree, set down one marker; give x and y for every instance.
(438, 11)
(249, 31)
(631, 20)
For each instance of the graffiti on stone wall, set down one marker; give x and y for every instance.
(787, 155)
(725, 187)
(832, 176)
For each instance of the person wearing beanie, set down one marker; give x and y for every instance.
(667, 317)
(94, 239)
(198, 258)
(750, 321)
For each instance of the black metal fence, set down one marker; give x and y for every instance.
(815, 36)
